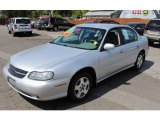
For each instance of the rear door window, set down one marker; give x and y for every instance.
(128, 35)
(23, 21)
(52, 20)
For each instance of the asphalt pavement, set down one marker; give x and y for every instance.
(128, 90)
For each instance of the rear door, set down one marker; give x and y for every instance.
(131, 45)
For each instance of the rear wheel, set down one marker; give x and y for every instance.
(150, 42)
(80, 87)
(48, 29)
(55, 28)
(140, 60)
(29, 33)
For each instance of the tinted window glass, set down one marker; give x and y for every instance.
(23, 21)
(65, 21)
(132, 25)
(128, 35)
(154, 24)
(52, 19)
(141, 26)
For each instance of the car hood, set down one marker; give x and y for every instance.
(44, 57)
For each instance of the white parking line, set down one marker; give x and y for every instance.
(130, 100)
(5, 55)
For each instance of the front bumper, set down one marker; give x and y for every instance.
(37, 90)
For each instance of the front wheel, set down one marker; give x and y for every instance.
(140, 60)
(80, 87)
(9, 32)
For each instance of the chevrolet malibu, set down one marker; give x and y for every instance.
(76, 61)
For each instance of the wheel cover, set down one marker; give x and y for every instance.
(82, 87)
(139, 61)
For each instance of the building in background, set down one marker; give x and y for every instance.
(99, 14)
(146, 14)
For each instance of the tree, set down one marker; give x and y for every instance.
(16, 13)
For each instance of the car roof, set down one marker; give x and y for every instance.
(20, 18)
(134, 23)
(101, 25)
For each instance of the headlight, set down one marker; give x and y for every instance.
(41, 75)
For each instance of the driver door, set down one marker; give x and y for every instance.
(111, 60)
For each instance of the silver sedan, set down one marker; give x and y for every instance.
(76, 61)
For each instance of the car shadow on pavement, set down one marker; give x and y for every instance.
(26, 35)
(102, 88)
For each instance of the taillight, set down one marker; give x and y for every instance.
(15, 26)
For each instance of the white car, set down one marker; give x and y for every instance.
(19, 25)
(76, 61)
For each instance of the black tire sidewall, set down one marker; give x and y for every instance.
(74, 80)
(135, 66)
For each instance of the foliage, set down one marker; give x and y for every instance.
(36, 13)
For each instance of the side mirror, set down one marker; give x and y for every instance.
(109, 46)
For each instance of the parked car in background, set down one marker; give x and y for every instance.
(32, 23)
(152, 31)
(40, 22)
(76, 61)
(109, 21)
(19, 25)
(55, 24)
(139, 27)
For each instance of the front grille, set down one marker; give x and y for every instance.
(17, 72)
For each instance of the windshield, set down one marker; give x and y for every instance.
(23, 21)
(81, 37)
(154, 24)
(132, 25)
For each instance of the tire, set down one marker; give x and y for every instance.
(29, 33)
(140, 60)
(80, 87)
(9, 32)
(150, 42)
(14, 34)
(48, 29)
(55, 28)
